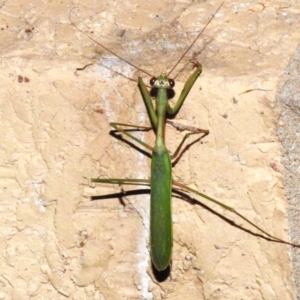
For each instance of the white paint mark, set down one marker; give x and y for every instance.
(36, 196)
(142, 205)
(40, 204)
(113, 66)
(143, 209)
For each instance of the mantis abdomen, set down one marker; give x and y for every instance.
(160, 210)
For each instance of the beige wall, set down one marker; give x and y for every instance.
(56, 242)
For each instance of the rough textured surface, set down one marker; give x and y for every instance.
(288, 98)
(55, 241)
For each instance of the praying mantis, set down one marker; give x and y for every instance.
(161, 182)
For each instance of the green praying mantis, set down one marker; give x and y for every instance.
(161, 182)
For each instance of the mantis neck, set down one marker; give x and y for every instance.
(161, 109)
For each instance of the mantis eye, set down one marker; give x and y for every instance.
(171, 83)
(152, 81)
